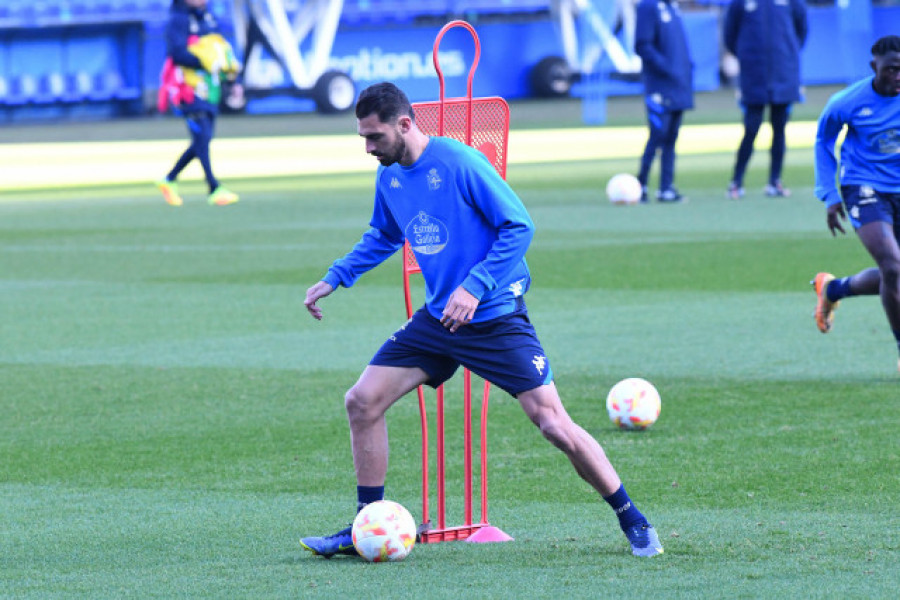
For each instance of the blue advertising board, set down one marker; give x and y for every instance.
(509, 51)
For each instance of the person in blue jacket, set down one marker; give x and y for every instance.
(766, 37)
(667, 71)
(869, 111)
(469, 232)
(198, 74)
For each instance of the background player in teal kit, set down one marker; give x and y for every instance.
(870, 183)
(469, 232)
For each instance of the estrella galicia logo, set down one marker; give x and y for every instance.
(426, 234)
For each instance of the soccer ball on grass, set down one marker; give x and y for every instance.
(633, 403)
(383, 531)
(624, 189)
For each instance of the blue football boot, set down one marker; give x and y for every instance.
(644, 541)
(337, 543)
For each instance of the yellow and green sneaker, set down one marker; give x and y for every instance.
(222, 197)
(169, 191)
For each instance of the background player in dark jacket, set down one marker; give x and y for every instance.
(197, 59)
(661, 42)
(766, 37)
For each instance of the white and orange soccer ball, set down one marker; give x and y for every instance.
(633, 403)
(624, 189)
(384, 531)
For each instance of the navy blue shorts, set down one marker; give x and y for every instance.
(866, 205)
(504, 351)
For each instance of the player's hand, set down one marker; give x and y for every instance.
(459, 310)
(836, 214)
(319, 290)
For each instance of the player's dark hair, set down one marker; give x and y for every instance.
(889, 43)
(385, 100)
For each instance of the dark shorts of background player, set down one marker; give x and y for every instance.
(504, 351)
(867, 205)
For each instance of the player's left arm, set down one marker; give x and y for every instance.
(801, 23)
(730, 29)
(498, 203)
(460, 309)
(501, 207)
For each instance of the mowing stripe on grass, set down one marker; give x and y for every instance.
(109, 163)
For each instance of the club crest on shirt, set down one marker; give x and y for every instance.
(889, 142)
(426, 234)
(434, 180)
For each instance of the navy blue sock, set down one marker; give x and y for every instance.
(367, 495)
(838, 289)
(628, 514)
(897, 337)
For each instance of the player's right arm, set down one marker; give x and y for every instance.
(379, 243)
(375, 247)
(319, 290)
(645, 35)
(831, 123)
(177, 34)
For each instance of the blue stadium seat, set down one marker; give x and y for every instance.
(22, 89)
(397, 11)
(22, 11)
(78, 86)
(110, 85)
(50, 89)
(500, 6)
(48, 11)
(92, 10)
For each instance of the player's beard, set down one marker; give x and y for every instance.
(393, 154)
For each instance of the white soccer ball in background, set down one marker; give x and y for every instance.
(383, 531)
(633, 403)
(624, 189)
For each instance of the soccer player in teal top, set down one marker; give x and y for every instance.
(870, 183)
(469, 232)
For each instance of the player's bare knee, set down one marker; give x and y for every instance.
(558, 435)
(360, 406)
(890, 274)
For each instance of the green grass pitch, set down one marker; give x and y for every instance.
(172, 419)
